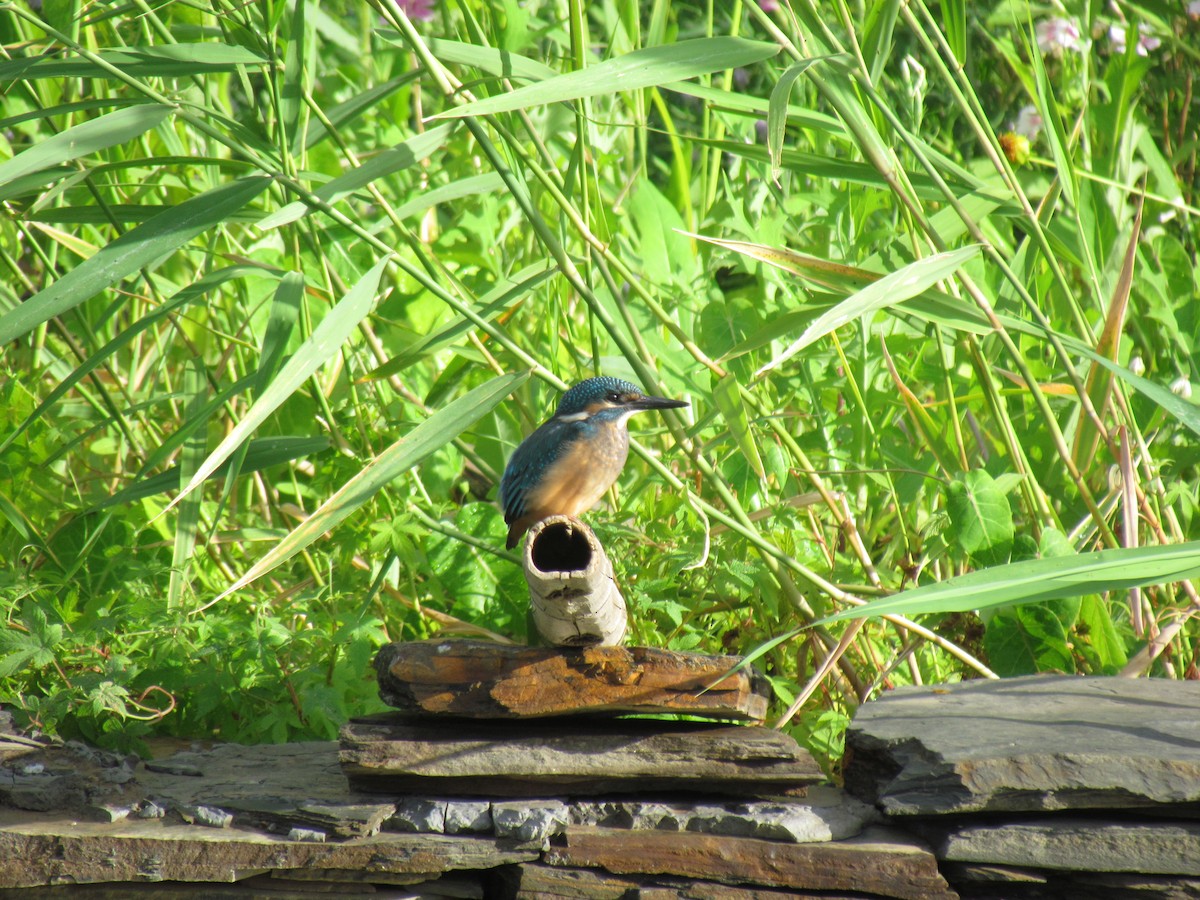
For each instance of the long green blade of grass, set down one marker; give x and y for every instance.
(644, 68)
(435, 432)
(133, 250)
(84, 139)
(326, 340)
(1040, 579)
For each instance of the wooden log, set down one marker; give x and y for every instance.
(476, 679)
(573, 596)
(390, 753)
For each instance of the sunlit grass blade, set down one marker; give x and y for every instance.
(435, 432)
(326, 340)
(181, 298)
(455, 190)
(189, 510)
(261, 453)
(492, 304)
(131, 251)
(836, 276)
(1099, 380)
(887, 291)
(501, 63)
(777, 112)
(84, 139)
(648, 67)
(163, 61)
(728, 397)
(1040, 579)
(394, 159)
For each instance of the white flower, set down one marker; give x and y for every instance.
(1193, 9)
(914, 74)
(1182, 387)
(1056, 35)
(1137, 366)
(1029, 120)
(1146, 41)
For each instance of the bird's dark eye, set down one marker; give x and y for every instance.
(612, 397)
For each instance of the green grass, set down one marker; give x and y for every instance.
(285, 284)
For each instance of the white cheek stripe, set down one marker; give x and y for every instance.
(575, 417)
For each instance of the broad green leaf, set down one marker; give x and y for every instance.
(648, 67)
(889, 290)
(1027, 639)
(133, 250)
(1033, 580)
(326, 340)
(1099, 634)
(401, 156)
(980, 517)
(261, 453)
(84, 139)
(432, 434)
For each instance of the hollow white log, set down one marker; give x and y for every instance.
(572, 592)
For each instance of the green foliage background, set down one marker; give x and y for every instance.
(278, 274)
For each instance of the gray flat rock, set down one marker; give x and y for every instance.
(277, 787)
(1023, 744)
(1085, 845)
(39, 850)
(545, 758)
(825, 814)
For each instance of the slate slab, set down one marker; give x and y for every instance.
(546, 758)
(36, 850)
(531, 881)
(1024, 744)
(1091, 844)
(825, 814)
(278, 787)
(485, 680)
(880, 861)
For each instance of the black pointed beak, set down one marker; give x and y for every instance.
(657, 403)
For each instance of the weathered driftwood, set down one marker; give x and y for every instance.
(573, 594)
(542, 758)
(477, 679)
(880, 861)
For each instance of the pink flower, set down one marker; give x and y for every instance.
(1193, 9)
(419, 10)
(1029, 122)
(1056, 35)
(1146, 41)
(768, 6)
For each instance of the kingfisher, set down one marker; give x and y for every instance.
(571, 460)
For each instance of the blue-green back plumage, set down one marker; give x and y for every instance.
(569, 461)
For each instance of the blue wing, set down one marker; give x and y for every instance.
(530, 462)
